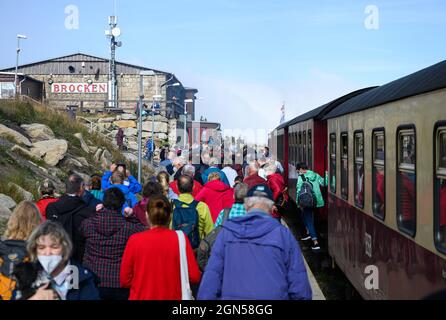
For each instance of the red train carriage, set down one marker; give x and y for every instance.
(304, 139)
(387, 194)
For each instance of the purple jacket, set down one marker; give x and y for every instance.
(255, 257)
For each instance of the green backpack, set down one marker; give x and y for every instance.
(205, 247)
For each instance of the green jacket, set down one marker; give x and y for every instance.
(317, 181)
(205, 223)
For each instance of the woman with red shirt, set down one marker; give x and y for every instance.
(46, 190)
(151, 263)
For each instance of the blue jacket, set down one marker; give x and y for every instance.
(87, 285)
(208, 171)
(133, 184)
(255, 257)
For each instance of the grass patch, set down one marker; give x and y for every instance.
(19, 113)
(35, 160)
(3, 223)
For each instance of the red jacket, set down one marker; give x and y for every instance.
(151, 265)
(43, 203)
(195, 191)
(277, 184)
(218, 196)
(254, 180)
(139, 210)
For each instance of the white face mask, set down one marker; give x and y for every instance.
(49, 263)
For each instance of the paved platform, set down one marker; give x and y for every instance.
(317, 292)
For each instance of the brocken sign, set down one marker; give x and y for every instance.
(79, 88)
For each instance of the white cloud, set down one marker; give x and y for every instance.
(252, 105)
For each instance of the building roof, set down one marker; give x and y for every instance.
(78, 58)
(423, 81)
(321, 111)
(9, 76)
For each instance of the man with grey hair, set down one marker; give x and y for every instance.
(178, 164)
(264, 257)
(187, 170)
(213, 167)
(237, 209)
(253, 177)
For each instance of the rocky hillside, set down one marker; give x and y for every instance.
(37, 143)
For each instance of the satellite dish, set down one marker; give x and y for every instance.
(116, 32)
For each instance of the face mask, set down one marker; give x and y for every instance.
(49, 263)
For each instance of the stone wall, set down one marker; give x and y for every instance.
(164, 130)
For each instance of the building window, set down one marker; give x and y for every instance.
(333, 162)
(344, 165)
(378, 174)
(440, 190)
(304, 147)
(406, 181)
(359, 169)
(310, 151)
(6, 90)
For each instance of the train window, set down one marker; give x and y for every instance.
(290, 146)
(333, 162)
(310, 151)
(300, 147)
(378, 174)
(359, 169)
(296, 157)
(440, 190)
(304, 148)
(344, 165)
(406, 182)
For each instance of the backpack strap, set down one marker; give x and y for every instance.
(226, 214)
(193, 204)
(177, 203)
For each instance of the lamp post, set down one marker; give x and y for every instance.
(140, 103)
(19, 36)
(176, 84)
(113, 33)
(186, 101)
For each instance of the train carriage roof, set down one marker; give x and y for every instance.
(423, 81)
(321, 111)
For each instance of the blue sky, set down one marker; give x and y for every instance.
(244, 56)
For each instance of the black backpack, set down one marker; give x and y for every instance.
(204, 250)
(186, 220)
(12, 252)
(306, 198)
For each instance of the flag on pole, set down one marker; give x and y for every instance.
(282, 118)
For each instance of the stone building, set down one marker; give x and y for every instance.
(82, 81)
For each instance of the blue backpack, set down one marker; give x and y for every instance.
(186, 220)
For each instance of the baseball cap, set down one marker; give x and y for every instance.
(261, 190)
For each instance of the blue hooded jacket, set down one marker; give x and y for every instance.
(255, 257)
(133, 184)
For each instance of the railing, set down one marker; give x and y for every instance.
(93, 126)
